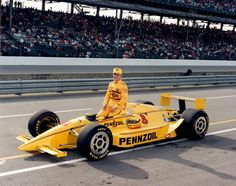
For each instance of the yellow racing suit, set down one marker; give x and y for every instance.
(116, 96)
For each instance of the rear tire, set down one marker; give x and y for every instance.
(94, 141)
(195, 124)
(42, 121)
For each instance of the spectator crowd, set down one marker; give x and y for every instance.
(47, 33)
(227, 6)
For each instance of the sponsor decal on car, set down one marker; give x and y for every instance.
(114, 124)
(144, 119)
(138, 139)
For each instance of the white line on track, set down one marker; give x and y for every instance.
(111, 154)
(30, 114)
(222, 122)
(2, 162)
(221, 97)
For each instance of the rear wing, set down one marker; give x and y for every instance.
(199, 103)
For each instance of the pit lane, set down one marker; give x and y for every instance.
(209, 161)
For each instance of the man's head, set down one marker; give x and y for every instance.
(117, 73)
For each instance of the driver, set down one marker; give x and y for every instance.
(116, 96)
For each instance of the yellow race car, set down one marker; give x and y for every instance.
(141, 123)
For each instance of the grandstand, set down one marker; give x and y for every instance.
(33, 32)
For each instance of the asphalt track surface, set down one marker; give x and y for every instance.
(211, 161)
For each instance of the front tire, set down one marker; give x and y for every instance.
(94, 141)
(195, 124)
(42, 121)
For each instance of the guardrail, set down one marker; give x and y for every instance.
(64, 85)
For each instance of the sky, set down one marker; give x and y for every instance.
(65, 7)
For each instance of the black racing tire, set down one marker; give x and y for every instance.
(144, 102)
(94, 141)
(42, 121)
(195, 124)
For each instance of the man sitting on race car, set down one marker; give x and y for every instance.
(116, 96)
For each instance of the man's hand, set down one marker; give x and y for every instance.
(113, 109)
(104, 107)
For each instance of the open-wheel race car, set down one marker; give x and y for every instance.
(142, 122)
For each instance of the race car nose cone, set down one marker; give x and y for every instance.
(22, 147)
(27, 147)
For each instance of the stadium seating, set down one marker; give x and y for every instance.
(37, 33)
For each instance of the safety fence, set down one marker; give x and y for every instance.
(65, 85)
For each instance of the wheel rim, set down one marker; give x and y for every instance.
(45, 124)
(99, 143)
(201, 125)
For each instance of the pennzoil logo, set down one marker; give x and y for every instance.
(138, 139)
(114, 124)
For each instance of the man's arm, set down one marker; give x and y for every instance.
(107, 96)
(124, 96)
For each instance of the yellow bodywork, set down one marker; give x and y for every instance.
(199, 103)
(153, 124)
